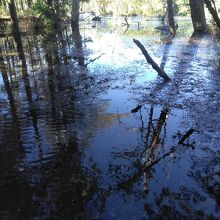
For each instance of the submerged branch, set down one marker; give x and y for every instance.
(159, 70)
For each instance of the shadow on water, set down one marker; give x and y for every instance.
(72, 149)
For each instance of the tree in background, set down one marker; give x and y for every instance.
(210, 4)
(51, 13)
(171, 21)
(75, 23)
(198, 15)
(126, 7)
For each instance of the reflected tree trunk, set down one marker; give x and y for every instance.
(51, 83)
(25, 77)
(13, 184)
(149, 124)
(155, 140)
(8, 89)
(18, 40)
(11, 100)
(149, 152)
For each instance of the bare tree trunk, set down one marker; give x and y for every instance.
(171, 21)
(212, 9)
(198, 15)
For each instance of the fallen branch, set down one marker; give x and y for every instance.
(160, 71)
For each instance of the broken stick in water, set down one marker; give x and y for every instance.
(185, 136)
(136, 109)
(159, 70)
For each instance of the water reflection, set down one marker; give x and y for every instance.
(72, 149)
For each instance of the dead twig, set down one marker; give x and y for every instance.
(92, 60)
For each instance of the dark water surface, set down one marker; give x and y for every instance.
(70, 148)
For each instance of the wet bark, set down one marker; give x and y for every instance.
(160, 71)
(212, 9)
(171, 21)
(198, 15)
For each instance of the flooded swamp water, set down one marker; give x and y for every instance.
(72, 149)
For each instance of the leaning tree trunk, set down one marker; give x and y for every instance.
(213, 11)
(171, 21)
(198, 15)
(160, 71)
(75, 23)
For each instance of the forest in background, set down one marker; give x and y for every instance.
(52, 13)
(99, 7)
